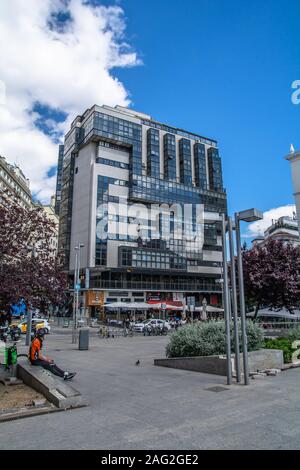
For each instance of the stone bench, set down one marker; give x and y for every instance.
(56, 390)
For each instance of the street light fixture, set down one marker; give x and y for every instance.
(250, 215)
(33, 251)
(226, 302)
(76, 290)
(234, 303)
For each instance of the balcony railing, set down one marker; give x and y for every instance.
(155, 286)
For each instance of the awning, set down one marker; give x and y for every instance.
(141, 306)
(210, 309)
(165, 306)
(128, 305)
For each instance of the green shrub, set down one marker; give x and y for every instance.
(206, 339)
(285, 344)
(293, 333)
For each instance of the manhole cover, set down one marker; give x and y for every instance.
(218, 388)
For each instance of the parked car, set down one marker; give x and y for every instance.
(139, 327)
(115, 322)
(37, 323)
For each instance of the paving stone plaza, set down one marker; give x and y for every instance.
(150, 407)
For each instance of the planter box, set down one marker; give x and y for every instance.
(258, 360)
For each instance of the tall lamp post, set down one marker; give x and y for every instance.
(234, 304)
(250, 215)
(29, 314)
(76, 290)
(226, 300)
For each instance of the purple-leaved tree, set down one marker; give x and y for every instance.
(272, 275)
(29, 269)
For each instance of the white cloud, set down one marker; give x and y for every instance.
(68, 68)
(258, 228)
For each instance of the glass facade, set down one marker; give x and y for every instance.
(169, 157)
(59, 178)
(153, 157)
(214, 169)
(121, 134)
(200, 166)
(151, 259)
(185, 163)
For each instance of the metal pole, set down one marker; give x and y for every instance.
(78, 282)
(28, 327)
(242, 299)
(226, 303)
(29, 314)
(74, 298)
(234, 304)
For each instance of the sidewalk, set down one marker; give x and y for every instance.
(150, 407)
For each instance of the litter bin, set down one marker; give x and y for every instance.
(83, 339)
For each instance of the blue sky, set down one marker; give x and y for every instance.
(224, 69)
(220, 68)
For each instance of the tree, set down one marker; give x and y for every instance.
(29, 269)
(272, 275)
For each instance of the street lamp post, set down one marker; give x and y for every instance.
(226, 303)
(29, 314)
(76, 290)
(250, 215)
(74, 297)
(234, 304)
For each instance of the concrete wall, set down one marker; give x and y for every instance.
(209, 364)
(82, 203)
(258, 360)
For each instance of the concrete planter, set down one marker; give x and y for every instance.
(258, 360)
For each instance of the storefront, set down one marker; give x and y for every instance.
(94, 302)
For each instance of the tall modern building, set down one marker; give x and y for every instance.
(58, 178)
(144, 198)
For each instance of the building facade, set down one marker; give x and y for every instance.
(49, 210)
(294, 159)
(12, 178)
(284, 229)
(145, 199)
(58, 179)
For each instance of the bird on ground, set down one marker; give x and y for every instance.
(137, 362)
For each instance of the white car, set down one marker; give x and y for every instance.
(41, 322)
(139, 327)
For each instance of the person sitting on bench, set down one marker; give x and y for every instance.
(38, 359)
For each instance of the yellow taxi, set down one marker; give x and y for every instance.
(37, 323)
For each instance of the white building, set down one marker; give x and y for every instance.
(284, 229)
(294, 159)
(12, 178)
